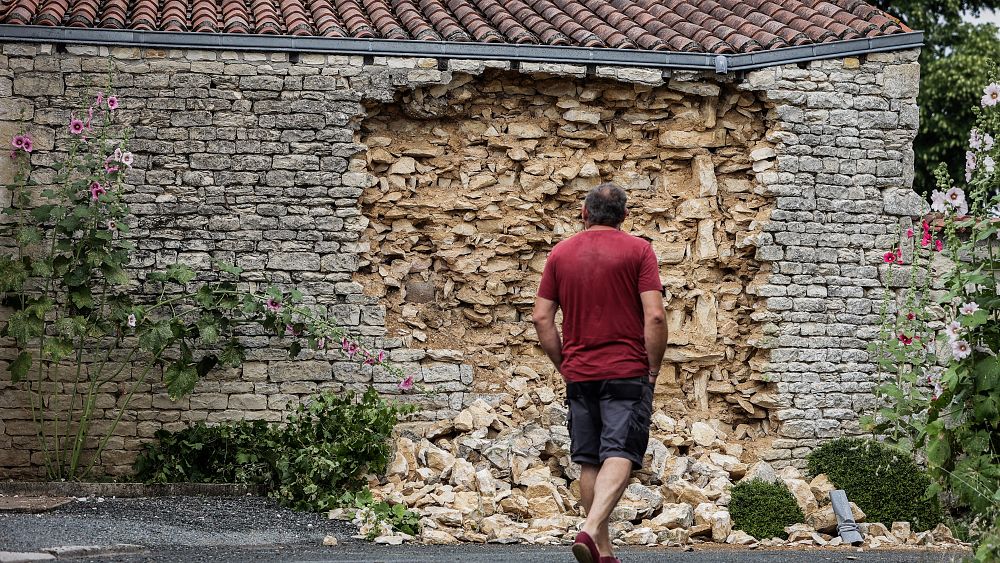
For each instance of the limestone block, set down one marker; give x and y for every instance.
(704, 171)
(699, 208)
(692, 139)
(705, 245)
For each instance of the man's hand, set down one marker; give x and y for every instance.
(544, 317)
(655, 330)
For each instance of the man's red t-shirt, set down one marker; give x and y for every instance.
(596, 277)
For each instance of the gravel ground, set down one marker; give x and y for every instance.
(219, 529)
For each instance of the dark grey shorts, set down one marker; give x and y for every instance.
(609, 418)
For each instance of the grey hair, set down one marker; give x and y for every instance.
(605, 205)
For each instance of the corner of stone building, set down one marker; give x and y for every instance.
(843, 131)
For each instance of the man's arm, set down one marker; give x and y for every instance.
(655, 330)
(544, 317)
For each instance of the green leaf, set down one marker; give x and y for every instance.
(294, 348)
(180, 273)
(208, 330)
(938, 450)
(82, 297)
(180, 379)
(20, 366)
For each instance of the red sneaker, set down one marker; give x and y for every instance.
(585, 550)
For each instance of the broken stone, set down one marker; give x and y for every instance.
(762, 471)
(703, 434)
(803, 495)
(825, 521)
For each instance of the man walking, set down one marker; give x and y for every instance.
(607, 283)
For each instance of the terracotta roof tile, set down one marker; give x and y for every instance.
(712, 26)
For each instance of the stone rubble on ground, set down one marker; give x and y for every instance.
(485, 477)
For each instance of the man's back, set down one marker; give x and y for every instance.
(596, 277)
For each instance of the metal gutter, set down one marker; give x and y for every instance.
(456, 50)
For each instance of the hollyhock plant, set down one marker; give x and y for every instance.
(112, 103)
(991, 95)
(96, 190)
(960, 349)
(938, 394)
(75, 126)
(406, 384)
(17, 142)
(131, 321)
(969, 308)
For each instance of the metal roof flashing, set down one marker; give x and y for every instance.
(721, 64)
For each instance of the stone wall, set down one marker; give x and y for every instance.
(843, 134)
(261, 160)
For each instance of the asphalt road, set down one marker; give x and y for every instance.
(213, 529)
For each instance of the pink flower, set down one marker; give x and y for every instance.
(28, 145)
(75, 126)
(910, 316)
(954, 330)
(960, 349)
(109, 167)
(17, 142)
(100, 100)
(969, 308)
(131, 321)
(320, 342)
(381, 356)
(96, 190)
(406, 384)
(127, 159)
(273, 305)
(90, 117)
(889, 257)
(909, 233)
(112, 103)
(938, 245)
(905, 339)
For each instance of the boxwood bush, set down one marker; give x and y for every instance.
(884, 482)
(763, 509)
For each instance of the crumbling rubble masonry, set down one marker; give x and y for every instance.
(417, 199)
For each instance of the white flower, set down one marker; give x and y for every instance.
(127, 159)
(975, 141)
(954, 330)
(970, 161)
(956, 197)
(939, 202)
(968, 177)
(989, 164)
(969, 308)
(960, 349)
(131, 321)
(987, 142)
(962, 209)
(991, 95)
(995, 212)
(937, 391)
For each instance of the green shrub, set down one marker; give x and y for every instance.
(763, 509)
(885, 483)
(324, 450)
(239, 452)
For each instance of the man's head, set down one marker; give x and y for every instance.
(605, 205)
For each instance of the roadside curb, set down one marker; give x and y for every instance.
(127, 490)
(93, 550)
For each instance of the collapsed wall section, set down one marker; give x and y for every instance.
(476, 179)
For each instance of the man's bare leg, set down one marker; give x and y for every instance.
(600, 489)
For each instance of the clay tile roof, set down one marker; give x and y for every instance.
(694, 26)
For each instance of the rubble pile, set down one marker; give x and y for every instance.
(488, 477)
